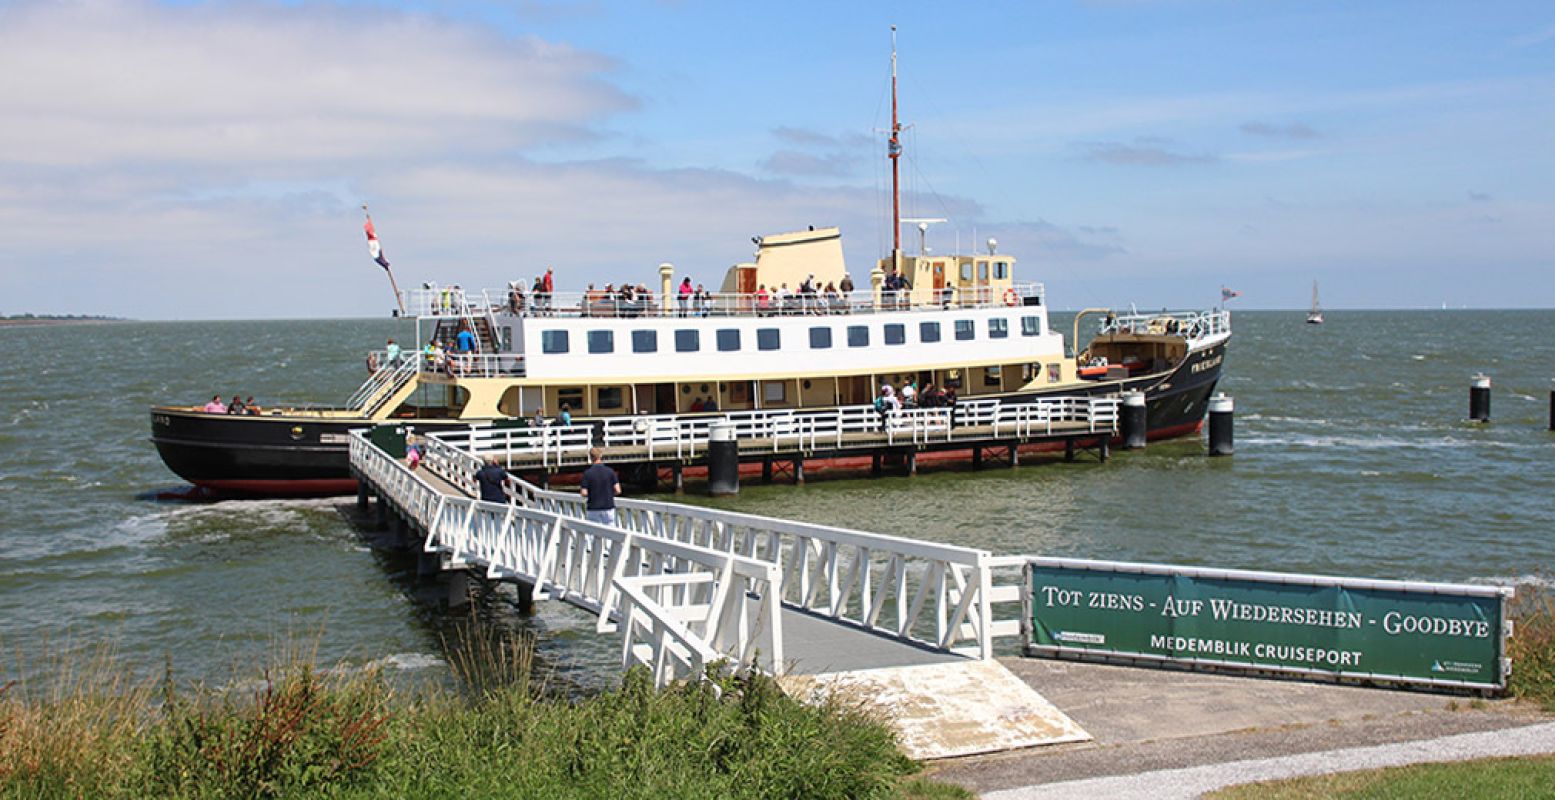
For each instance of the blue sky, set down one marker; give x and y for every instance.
(207, 160)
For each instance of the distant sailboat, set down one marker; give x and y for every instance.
(1315, 316)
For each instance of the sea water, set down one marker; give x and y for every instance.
(1353, 458)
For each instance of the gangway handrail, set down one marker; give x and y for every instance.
(888, 584)
(684, 606)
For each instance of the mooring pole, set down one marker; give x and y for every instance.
(1220, 414)
(1135, 421)
(723, 460)
(1479, 398)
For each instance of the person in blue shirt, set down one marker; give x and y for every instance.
(391, 355)
(491, 479)
(600, 487)
(566, 416)
(465, 341)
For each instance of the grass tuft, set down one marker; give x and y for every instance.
(294, 730)
(1532, 646)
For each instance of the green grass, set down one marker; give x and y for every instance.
(1489, 778)
(298, 731)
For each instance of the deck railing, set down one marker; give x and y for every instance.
(453, 302)
(1195, 326)
(679, 607)
(938, 595)
(781, 430)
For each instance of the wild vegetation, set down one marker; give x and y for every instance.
(296, 730)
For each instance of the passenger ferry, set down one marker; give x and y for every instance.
(965, 325)
(960, 323)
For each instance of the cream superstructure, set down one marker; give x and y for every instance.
(963, 324)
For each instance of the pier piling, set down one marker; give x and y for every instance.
(1014, 456)
(381, 515)
(458, 588)
(1221, 408)
(361, 496)
(1134, 421)
(723, 460)
(799, 471)
(1479, 398)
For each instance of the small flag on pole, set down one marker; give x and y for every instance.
(1225, 294)
(375, 249)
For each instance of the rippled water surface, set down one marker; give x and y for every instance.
(1352, 458)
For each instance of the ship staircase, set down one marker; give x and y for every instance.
(386, 388)
(905, 624)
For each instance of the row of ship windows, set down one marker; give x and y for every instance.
(728, 339)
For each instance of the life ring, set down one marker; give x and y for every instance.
(1011, 298)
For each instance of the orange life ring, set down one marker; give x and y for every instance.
(1011, 298)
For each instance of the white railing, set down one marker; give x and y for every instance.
(939, 595)
(472, 365)
(1195, 326)
(788, 430)
(384, 374)
(454, 302)
(680, 607)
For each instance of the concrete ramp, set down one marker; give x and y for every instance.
(958, 708)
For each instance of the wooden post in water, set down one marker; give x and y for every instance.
(458, 588)
(361, 495)
(799, 471)
(1014, 456)
(977, 457)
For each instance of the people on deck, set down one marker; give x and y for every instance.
(391, 354)
(251, 408)
(685, 295)
(236, 406)
(215, 406)
(465, 341)
(600, 487)
(566, 415)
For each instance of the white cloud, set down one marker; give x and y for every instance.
(103, 81)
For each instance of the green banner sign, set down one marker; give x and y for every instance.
(1420, 633)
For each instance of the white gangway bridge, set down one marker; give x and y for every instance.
(911, 623)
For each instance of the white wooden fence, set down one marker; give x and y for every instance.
(940, 595)
(678, 606)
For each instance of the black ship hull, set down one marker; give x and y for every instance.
(297, 455)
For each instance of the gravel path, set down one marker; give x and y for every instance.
(1194, 781)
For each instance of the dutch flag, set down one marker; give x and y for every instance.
(373, 248)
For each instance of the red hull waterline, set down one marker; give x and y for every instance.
(312, 486)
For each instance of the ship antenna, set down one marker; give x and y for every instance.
(895, 153)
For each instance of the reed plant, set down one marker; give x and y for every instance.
(296, 730)
(1532, 646)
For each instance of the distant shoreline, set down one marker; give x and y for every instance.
(33, 321)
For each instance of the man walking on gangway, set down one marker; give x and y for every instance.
(600, 487)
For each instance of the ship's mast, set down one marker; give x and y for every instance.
(895, 153)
